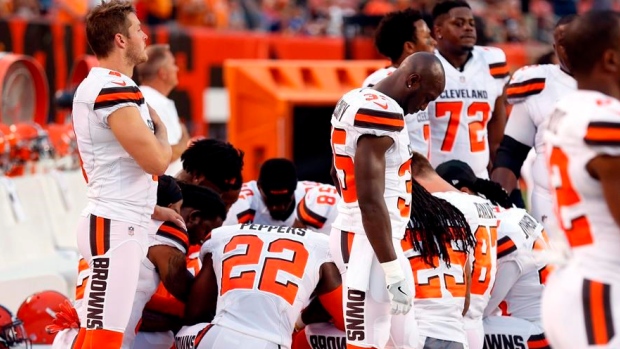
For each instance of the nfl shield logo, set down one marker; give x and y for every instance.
(462, 79)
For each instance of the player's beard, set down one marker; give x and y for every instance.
(136, 55)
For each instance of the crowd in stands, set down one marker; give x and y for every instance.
(500, 20)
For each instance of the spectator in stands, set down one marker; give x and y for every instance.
(158, 77)
(203, 13)
(69, 11)
(25, 8)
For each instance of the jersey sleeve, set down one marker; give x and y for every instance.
(170, 234)
(113, 97)
(242, 211)
(317, 206)
(377, 117)
(525, 82)
(603, 135)
(498, 67)
(520, 125)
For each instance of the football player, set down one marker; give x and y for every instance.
(580, 304)
(467, 120)
(533, 91)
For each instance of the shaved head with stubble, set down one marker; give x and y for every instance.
(419, 80)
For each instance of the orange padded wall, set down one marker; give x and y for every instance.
(265, 95)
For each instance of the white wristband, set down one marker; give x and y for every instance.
(393, 272)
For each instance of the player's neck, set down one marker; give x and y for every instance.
(435, 184)
(603, 85)
(116, 63)
(456, 59)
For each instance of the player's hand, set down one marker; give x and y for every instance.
(400, 297)
(168, 215)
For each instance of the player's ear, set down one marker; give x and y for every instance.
(413, 81)
(120, 40)
(611, 60)
(408, 47)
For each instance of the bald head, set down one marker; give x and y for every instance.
(424, 80)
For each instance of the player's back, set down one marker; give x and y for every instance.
(583, 126)
(459, 116)
(483, 223)
(317, 209)
(522, 240)
(250, 207)
(266, 275)
(118, 188)
(439, 291)
(369, 112)
(534, 90)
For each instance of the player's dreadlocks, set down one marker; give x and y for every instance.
(219, 162)
(460, 175)
(434, 224)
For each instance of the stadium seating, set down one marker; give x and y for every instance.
(38, 234)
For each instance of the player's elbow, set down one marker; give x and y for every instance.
(155, 165)
(370, 204)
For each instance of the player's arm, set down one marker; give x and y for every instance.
(242, 211)
(508, 272)
(153, 321)
(329, 293)
(496, 126)
(606, 168)
(334, 174)
(514, 147)
(203, 295)
(171, 265)
(370, 182)
(151, 151)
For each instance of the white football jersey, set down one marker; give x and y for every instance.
(250, 207)
(318, 208)
(266, 276)
(483, 223)
(533, 92)
(168, 234)
(439, 291)
(369, 112)
(584, 125)
(377, 76)
(417, 124)
(325, 335)
(459, 116)
(522, 240)
(118, 188)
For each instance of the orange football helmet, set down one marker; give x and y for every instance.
(39, 311)
(29, 144)
(64, 143)
(12, 333)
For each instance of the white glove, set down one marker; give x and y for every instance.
(400, 297)
(400, 294)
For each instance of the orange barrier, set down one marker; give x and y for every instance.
(23, 87)
(283, 108)
(200, 54)
(80, 71)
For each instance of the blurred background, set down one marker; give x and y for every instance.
(263, 74)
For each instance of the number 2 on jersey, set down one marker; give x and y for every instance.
(578, 233)
(266, 272)
(453, 110)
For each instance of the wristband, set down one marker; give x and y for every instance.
(393, 272)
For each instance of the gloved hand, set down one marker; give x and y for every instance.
(400, 297)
